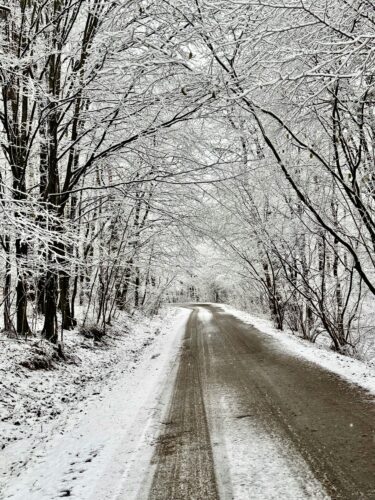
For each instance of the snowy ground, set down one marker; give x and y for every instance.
(86, 429)
(359, 372)
(61, 429)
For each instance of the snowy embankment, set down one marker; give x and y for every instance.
(355, 371)
(62, 429)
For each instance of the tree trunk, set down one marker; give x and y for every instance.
(23, 327)
(40, 298)
(74, 295)
(137, 282)
(50, 323)
(273, 298)
(68, 322)
(8, 324)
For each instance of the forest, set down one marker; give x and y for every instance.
(171, 151)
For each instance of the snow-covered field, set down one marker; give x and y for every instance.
(62, 429)
(359, 372)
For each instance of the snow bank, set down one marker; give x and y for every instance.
(60, 429)
(357, 372)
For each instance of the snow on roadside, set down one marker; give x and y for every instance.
(60, 427)
(357, 372)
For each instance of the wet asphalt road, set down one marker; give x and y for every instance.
(328, 422)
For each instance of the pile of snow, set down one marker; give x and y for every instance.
(39, 407)
(361, 373)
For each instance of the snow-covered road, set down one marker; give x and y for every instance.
(214, 409)
(249, 420)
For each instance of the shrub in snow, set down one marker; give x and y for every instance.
(92, 331)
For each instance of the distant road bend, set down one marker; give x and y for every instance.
(233, 386)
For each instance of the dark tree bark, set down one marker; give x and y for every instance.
(68, 322)
(50, 323)
(8, 324)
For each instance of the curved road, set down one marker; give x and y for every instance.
(246, 420)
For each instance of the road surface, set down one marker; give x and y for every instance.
(240, 405)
